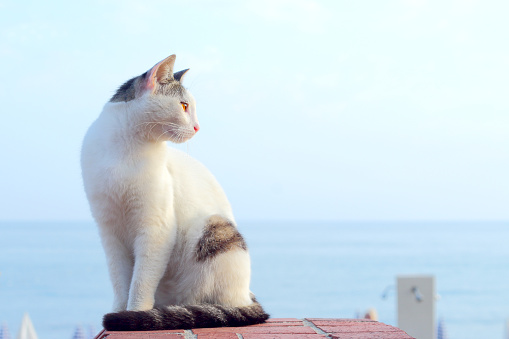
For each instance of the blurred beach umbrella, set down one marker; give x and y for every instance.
(441, 331)
(79, 333)
(26, 330)
(4, 332)
(91, 332)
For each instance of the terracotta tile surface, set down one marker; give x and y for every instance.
(281, 320)
(283, 336)
(359, 327)
(372, 335)
(335, 322)
(252, 329)
(284, 323)
(224, 335)
(283, 328)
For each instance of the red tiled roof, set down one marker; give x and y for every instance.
(282, 328)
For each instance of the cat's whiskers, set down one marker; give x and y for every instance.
(160, 135)
(182, 134)
(157, 122)
(144, 123)
(142, 130)
(153, 123)
(173, 129)
(151, 128)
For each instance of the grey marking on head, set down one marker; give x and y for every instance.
(219, 236)
(127, 91)
(173, 89)
(178, 76)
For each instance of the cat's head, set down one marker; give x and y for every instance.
(160, 108)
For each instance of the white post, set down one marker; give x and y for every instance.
(26, 331)
(416, 305)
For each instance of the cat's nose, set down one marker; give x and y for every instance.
(196, 128)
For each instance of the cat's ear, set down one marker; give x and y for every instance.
(161, 73)
(179, 75)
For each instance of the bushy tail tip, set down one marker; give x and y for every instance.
(185, 317)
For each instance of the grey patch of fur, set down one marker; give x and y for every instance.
(173, 89)
(178, 76)
(186, 317)
(126, 92)
(214, 312)
(155, 313)
(219, 236)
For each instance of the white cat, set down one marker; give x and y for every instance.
(175, 257)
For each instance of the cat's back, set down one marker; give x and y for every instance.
(196, 189)
(93, 153)
(100, 151)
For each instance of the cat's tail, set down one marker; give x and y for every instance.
(185, 317)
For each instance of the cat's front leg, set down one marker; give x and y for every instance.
(120, 266)
(152, 250)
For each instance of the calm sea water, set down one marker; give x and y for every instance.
(57, 273)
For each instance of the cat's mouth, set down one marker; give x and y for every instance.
(178, 134)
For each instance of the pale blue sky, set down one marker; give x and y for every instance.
(338, 110)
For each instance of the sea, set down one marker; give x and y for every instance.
(56, 272)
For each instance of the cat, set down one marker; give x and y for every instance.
(174, 254)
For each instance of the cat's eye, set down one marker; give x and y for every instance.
(184, 106)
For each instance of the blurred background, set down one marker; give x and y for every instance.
(376, 134)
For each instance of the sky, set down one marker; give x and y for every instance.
(309, 110)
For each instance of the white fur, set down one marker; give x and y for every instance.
(151, 203)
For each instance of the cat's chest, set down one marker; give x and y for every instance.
(129, 189)
(137, 180)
